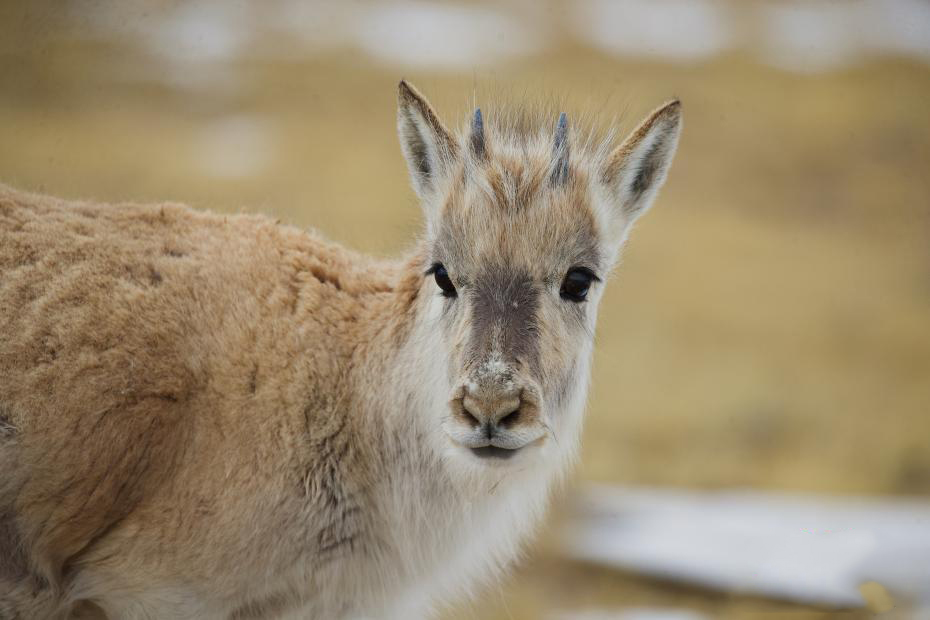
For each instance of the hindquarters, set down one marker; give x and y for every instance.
(62, 495)
(23, 593)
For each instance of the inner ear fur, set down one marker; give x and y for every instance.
(427, 145)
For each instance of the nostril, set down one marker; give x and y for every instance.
(469, 418)
(510, 419)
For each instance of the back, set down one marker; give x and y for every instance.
(102, 316)
(133, 340)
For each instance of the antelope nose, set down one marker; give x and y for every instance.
(491, 411)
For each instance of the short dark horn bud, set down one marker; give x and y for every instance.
(477, 135)
(560, 152)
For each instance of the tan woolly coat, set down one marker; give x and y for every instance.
(184, 374)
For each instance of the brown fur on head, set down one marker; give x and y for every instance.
(524, 221)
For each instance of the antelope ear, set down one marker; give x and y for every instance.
(636, 169)
(427, 145)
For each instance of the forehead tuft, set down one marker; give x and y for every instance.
(539, 231)
(503, 205)
(517, 162)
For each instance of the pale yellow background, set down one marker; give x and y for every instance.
(769, 326)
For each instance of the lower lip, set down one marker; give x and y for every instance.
(493, 453)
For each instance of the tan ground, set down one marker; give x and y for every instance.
(770, 326)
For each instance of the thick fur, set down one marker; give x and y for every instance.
(205, 416)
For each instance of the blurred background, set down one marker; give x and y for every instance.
(764, 345)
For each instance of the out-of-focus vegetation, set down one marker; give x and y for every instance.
(769, 325)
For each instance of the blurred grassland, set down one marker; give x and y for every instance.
(769, 325)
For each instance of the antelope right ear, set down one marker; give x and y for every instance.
(636, 170)
(427, 145)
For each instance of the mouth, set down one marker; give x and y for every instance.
(493, 453)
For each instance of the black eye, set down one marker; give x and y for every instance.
(576, 284)
(442, 280)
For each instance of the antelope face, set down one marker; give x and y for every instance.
(517, 290)
(522, 230)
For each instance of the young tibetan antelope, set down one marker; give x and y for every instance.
(218, 417)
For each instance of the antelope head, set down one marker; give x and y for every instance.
(524, 221)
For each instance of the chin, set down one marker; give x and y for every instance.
(481, 460)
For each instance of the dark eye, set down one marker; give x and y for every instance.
(576, 284)
(442, 280)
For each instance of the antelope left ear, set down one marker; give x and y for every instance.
(636, 169)
(428, 146)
